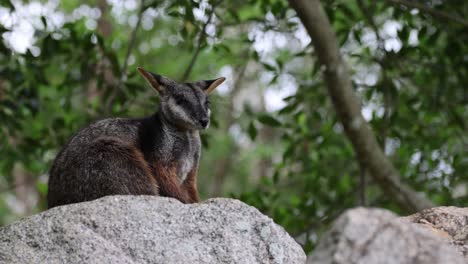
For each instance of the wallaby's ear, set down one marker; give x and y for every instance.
(208, 86)
(155, 80)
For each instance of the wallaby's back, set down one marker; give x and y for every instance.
(102, 159)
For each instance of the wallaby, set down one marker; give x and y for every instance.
(156, 155)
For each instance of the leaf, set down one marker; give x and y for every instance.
(300, 54)
(344, 184)
(255, 55)
(7, 4)
(289, 98)
(204, 140)
(2, 30)
(42, 188)
(223, 47)
(276, 177)
(152, 4)
(295, 200)
(289, 152)
(114, 62)
(252, 130)
(234, 14)
(269, 67)
(269, 120)
(175, 13)
(44, 22)
(288, 109)
(347, 12)
(274, 79)
(133, 88)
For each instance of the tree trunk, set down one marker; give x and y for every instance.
(348, 107)
(25, 190)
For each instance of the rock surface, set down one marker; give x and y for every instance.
(378, 236)
(449, 223)
(146, 229)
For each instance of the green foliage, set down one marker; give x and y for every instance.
(294, 163)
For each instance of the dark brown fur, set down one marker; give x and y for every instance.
(156, 155)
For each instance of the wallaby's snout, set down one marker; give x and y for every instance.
(204, 122)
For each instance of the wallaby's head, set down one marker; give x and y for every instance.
(185, 105)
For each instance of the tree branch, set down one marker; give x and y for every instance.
(363, 171)
(348, 107)
(370, 20)
(362, 201)
(386, 81)
(130, 46)
(1, 90)
(426, 9)
(201, 37)
(225, 164)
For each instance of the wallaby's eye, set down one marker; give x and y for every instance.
(180, 100)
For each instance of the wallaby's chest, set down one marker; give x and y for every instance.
(182, 150)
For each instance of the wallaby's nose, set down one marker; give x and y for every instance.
(204, 122)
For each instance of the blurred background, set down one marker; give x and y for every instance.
(275, 141)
